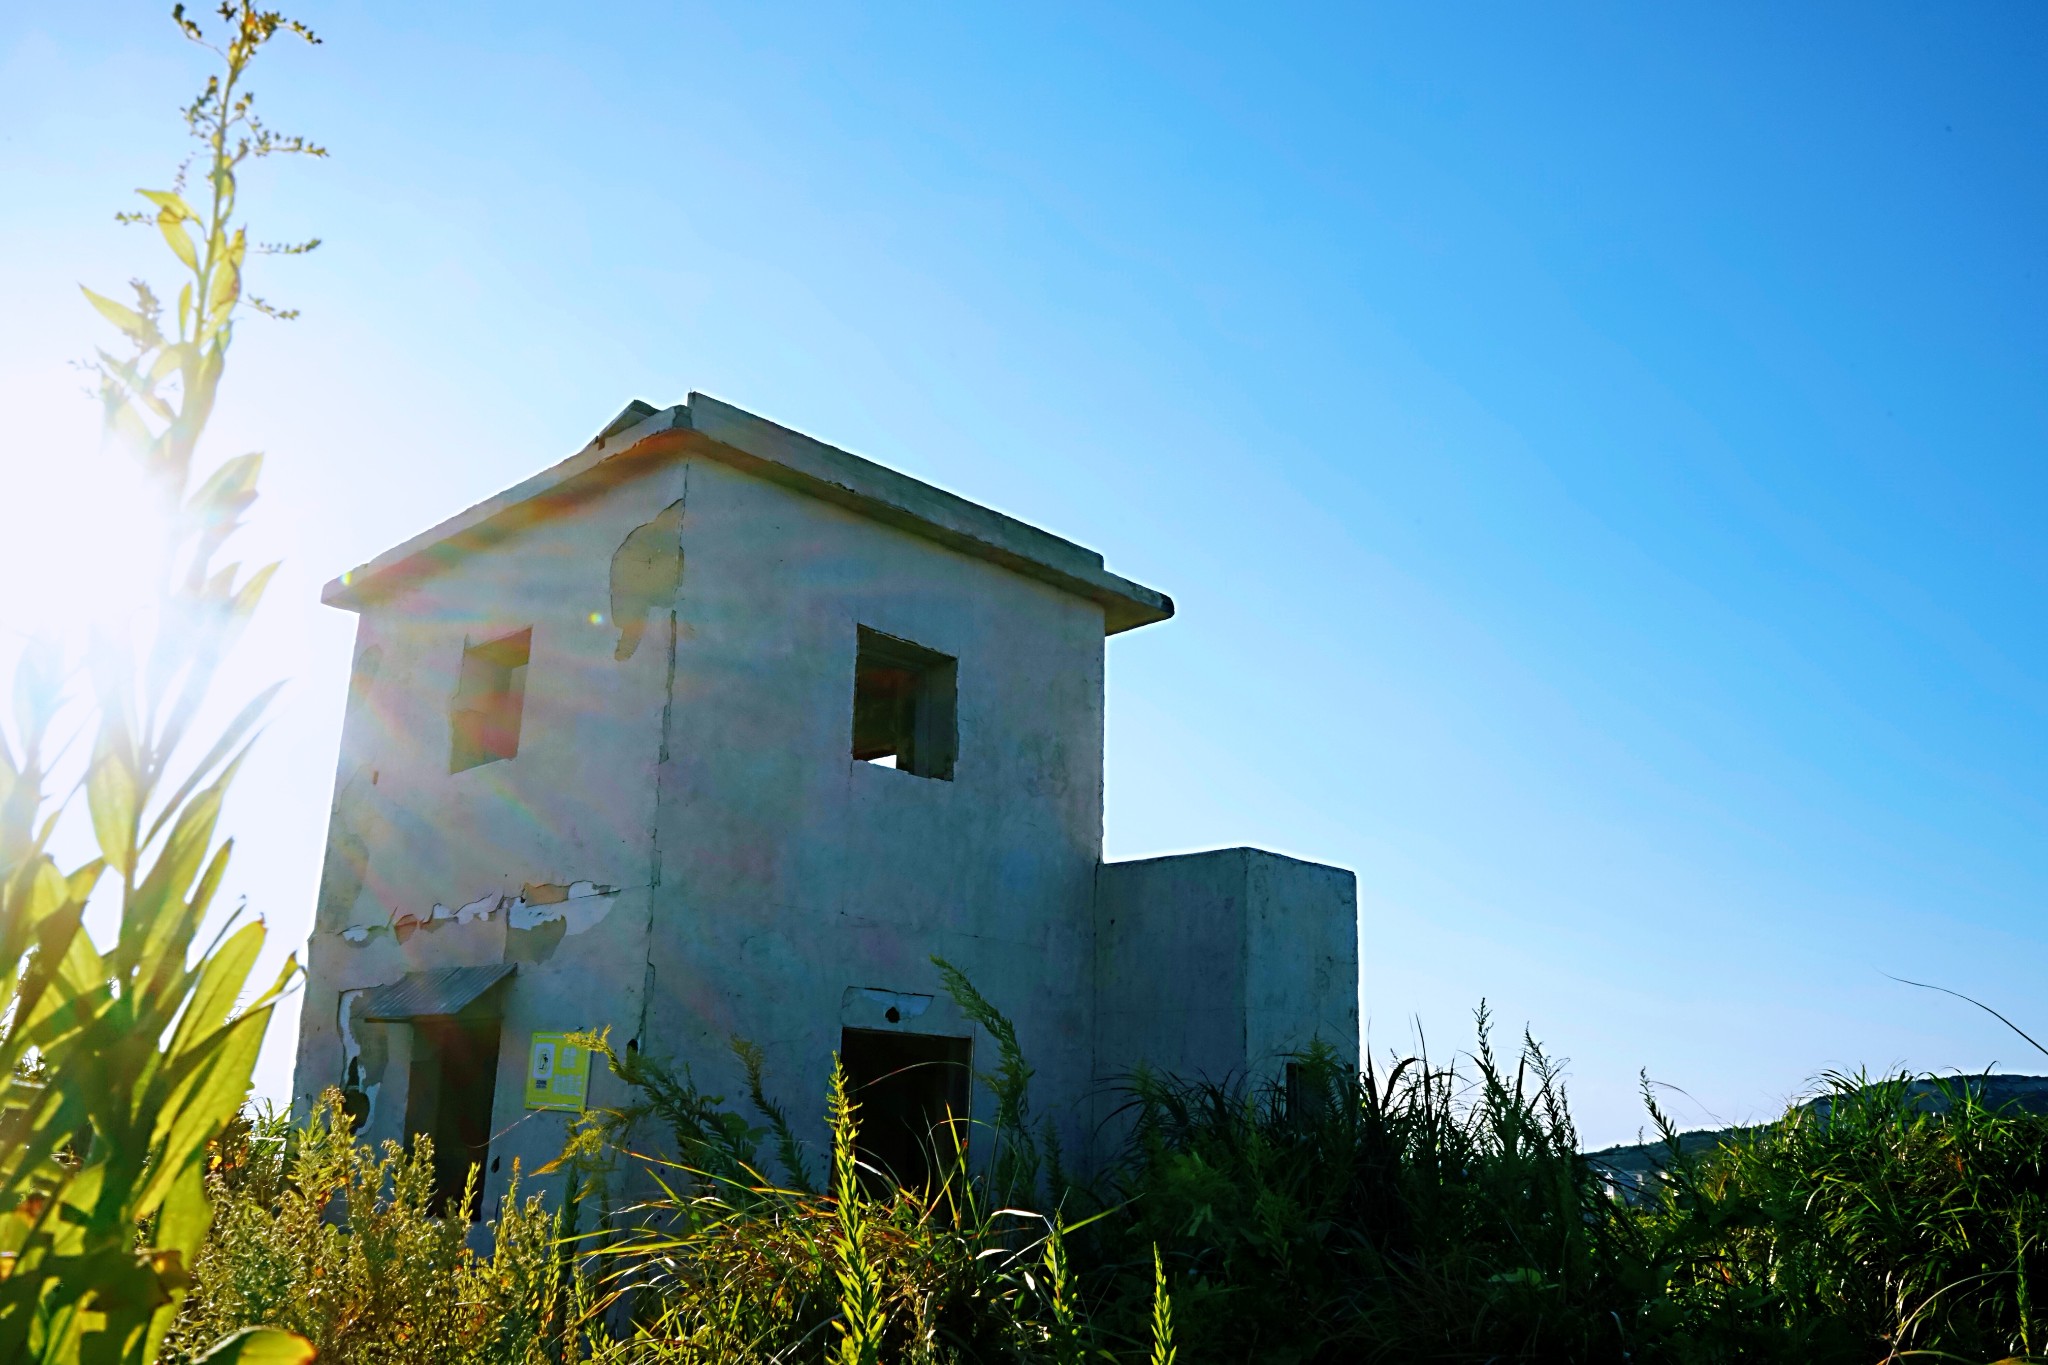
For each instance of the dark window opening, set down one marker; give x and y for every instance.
(449, 1094)
(903, 706)
(912, 1093)
(489, 697)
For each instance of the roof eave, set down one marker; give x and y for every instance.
(772, 452)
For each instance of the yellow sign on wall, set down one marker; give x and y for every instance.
(557, 1073)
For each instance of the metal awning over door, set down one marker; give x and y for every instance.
(438, 994)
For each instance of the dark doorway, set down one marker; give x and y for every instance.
(912, 1092)
(453, 1084)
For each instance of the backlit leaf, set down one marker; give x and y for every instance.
(219, 1066)
(126, 318)
(111, 793)
(171, 358)
(226, 285)
(220, 981)
(259, 1346)
(250, 714)
(178, 239)
(169, 203)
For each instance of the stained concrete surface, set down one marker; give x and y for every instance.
(684, 851)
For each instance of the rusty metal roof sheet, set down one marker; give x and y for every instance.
(444, 991)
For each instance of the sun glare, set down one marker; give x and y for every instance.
(85, 560)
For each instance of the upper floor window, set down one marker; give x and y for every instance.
(903, 706)
(489, 697)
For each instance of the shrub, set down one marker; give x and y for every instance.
(1412, 1214)
(315, 1232)
(1882, 1219)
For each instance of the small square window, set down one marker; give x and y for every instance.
(903, 706)
(489, 697)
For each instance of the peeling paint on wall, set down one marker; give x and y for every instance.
(538, 943)
(647, 570)
(579, 904)
(544, 911)
(482, 908)
(364, 1059)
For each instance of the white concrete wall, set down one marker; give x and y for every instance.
(791, 872)
(760, 872)
(426, 868)
(1218, 965)
(685, 851)
(1301, 959)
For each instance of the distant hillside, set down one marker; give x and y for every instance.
(1632, 1166)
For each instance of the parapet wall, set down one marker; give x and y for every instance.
(1218, 965)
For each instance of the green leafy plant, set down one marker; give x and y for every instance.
(119, 1065)
(1016, 1160)
(788, 1151)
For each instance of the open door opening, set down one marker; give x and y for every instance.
(453, 1085)
(912, 1089)
(453, 1080)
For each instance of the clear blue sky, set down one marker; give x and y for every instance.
(1597, 450)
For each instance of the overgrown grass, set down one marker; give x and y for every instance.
(1869, 1224)
(1417, 1214)
(1422, 1212)
(723, 1265)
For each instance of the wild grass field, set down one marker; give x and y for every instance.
(1421, 1211)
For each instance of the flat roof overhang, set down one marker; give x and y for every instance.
(642, 437)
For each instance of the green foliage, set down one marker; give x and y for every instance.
(721, 1264)
(1067, 1336)
(1432, 1213)
(119, 1065)
(1417, 1214)
(1884, 1218)
(1012, 1173)
(709, 1144)
(1427, 1212)
(315, 1232)
(788, 1151)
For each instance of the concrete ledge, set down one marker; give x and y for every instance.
(641, 438)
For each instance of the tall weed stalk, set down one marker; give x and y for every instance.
(119, 1064)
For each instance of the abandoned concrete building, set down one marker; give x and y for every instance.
(715, 731)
